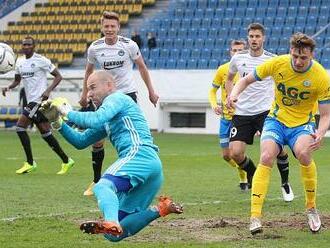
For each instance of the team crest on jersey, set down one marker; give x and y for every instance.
(33, 65)
(121, 52)
(102, 55)
(307, 83)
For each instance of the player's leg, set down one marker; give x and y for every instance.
(97, 161)
(21, 126)
(283, 168)
(300, 144)
(45, 131)
(224, 133)
(271, 143)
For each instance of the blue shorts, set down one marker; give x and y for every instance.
(283, 135)
(143, 168)
(224, 132)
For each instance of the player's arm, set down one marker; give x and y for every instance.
(213, 101)
(83, 99)
(57, 79)
(153, 97)
(230, 82)
(81, 140)
(13, 85)
(239, 87)
(324, 123)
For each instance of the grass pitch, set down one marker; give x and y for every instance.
(43, 209)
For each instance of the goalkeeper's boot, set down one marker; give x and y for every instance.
(65, 167)
(255, 225)
(26, 168)
(287, 192)
(167, 206)
(89, 190)
(98, 227)
(314, 221)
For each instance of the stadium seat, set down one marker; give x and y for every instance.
(224, 31)
(199, 43)
(195, 53)
(233, 33)
(185, 53)
(271, 12)
(250, 12)
(213, 4)
(229, 12)
(302, 11)
(244, 4)
(281, 12)
(219, 13)
(181, 64)
(171, 33)
(160, 63)
(202, 64)
(273, 3)
(154, 53)
(178, 13)
(178, 43)
(174, 54)
(206, 53)
(290, 21)
(279, 22)
(309, 30)
(213, 33)
(292, 11)
(192, 4)
(3, 110)
(168, 43)
(161, 33)
(193, 32)
(206, 22)
(170, 64)
(237, 22)
(182, 33)
(324, 10)
(209, 43)
(192, 64)
(284, 3)
(209, 13)
(216, 53)
(202, 4)
(215, 23)
(313, 11)
(300, 20)
(240, 12)
(188, 13)
(213, 64)
(185, 23)
(261, 12)
(196, 22)
(322, 21)
(226, 22)
(199, 13)
(189, 43)
(176, 22)
(220, 43)
(287, 31)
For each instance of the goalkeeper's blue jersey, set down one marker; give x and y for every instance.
(119, 118)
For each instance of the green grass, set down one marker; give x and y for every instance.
(43, 209)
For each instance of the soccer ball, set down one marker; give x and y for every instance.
(7, 58)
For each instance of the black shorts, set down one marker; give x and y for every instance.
(32, 112)
(244, 127)
(133, 95)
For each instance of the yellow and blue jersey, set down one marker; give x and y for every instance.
(296, 93)
(219, 81)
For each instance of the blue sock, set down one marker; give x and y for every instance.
(134, 223)
(105, 192)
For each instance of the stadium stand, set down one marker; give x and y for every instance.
(191, 25)
(64, 28)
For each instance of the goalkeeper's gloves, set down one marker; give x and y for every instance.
(57, 124)
(50, 112)
(62, 105)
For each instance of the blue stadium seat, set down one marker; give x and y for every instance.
(154, 53)
(269, 21)
(322, 21)
(271, 12)
(272, 42)
(195, 53)
(213, 4)
(209, 43)
(185, 23)
(192, 4)
(233, 33)
(164, 53)
(284, 3)
(273, 3)
(202, 33)
(281, 12)
(166, 23)
(250, 12)
(193, 32)
(284, 43)
(206, 53)
(279, 21)
(213, 64)
(179, 13)
(226, 22)
(300, 20)
(244, 3)
(290, 21)
(145, 53)
(313, 11)
(161, 33)
(276, 32)
(192, 64)
(237, 22)
(168, 43)
(182, 33)
(202, 4)
(199, 13)
(189, 43)
(199, 43)
(247, 21)
(156, 22)
(302, 11)
(160, 63)
(215, 23)
(181, 64)
(216, 53)
(231, 3)
(299, 28)
(209, 13)
(188, 13)
(151, 63)
(292, 11)
(312, 20)
(309, 30)
(213, 33)
(178, 43)
(170, 64)
(324, 11)
(196, 22)
(219, 13)
(185, 53)
(174, 54)
(176, 22)
(171, 33)
(220, 43)
(3, 110)
(287, 31)
(229, 12)
(240, 12)
(202, 64)
(261, 12)
(223, 32)
(262, 4)
(206, 22)
(326, 63)
(296, 2)
(282, 50)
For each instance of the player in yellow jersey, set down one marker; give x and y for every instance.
(221, 110)
(300, 83)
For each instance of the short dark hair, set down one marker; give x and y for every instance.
(238, 42)
(29, 38)
(301, 41)
(256, 26)
(110, 15)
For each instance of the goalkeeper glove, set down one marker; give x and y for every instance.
(57, 124)
(50, 112)
(62, 105)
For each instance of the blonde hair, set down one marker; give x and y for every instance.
(109, 15)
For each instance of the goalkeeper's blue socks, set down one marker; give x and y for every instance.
(134, 223)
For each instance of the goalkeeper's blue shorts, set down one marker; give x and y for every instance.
(224, 132)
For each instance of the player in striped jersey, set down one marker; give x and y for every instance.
(116, 55)
(253, 106)
(221, 110)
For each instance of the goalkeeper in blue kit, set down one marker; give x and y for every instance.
(126, 189)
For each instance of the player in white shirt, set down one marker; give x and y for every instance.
(32, 70)
(253, 106)
(116, 55)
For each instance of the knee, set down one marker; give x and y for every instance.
(237, 155)
(303, 156)
(20, 129)
(266, 158)
(102, 186)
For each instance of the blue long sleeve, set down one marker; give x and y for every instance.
(81, 140)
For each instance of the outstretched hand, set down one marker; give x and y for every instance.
(62, 105)
(49, 111)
